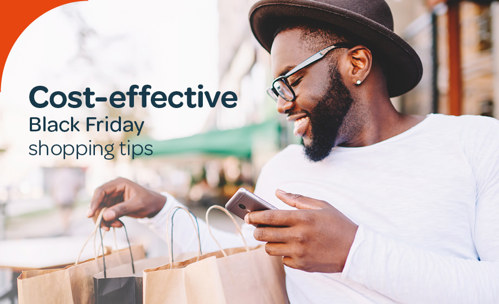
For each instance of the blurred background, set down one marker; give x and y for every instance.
(203, 155)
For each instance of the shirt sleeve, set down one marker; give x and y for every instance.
(185, 235)
(414, 275)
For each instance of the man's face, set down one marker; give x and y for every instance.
(322, 100)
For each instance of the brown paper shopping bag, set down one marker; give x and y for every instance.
(70, 285)
(237, 275)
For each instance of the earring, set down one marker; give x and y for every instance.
(358, 83)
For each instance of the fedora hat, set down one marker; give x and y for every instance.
(369, 20)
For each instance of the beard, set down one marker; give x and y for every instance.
(327, 117)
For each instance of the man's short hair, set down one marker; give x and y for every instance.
(317, 34)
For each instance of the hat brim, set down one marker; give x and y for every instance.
(402, 65)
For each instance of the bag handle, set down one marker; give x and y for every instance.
(97, 249)
(169, 228)
(92, 234)
(129, 249)
(238, 228)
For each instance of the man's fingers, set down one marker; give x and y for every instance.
(109, 215)
(106, 195)
(277, 249)
(272, 234)
(290, 262)
(98, 197)
(116, 224)
(112, 213)
(279, 218)
(299, 201)
(105, 225)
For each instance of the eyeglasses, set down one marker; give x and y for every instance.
(280, 85)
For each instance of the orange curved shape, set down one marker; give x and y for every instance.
(15, 17)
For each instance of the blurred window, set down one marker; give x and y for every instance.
(484, 28)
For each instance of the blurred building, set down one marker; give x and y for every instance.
(455, 42)
(243, 67)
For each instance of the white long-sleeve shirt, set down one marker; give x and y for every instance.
(427, 205)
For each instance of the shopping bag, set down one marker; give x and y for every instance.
(123, 284)
(72, 284)
(109, 290)
(237, 275)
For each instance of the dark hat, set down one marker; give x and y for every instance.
(370, 20)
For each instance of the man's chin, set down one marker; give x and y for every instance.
(316, 152)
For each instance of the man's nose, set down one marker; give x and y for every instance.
(283, 105)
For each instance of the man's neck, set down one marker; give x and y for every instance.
(376, 121)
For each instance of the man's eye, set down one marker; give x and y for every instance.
(296, 82)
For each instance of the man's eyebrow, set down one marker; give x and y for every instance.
(286, 70)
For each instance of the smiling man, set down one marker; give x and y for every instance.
(315, 96)
(377, 206)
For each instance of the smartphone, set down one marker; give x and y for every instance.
(243, 202)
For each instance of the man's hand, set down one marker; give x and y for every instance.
(315, 238)
(124, 197)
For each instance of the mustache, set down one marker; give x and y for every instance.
(291, 112)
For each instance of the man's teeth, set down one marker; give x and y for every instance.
(301, 126)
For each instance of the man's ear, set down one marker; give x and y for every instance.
(360, 64)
